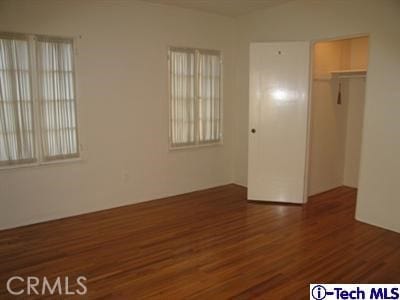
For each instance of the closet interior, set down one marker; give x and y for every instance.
(337, 109)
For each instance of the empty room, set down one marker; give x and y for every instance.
(199, 149)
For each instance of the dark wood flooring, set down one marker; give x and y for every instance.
(210, 244)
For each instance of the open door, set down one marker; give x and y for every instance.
(279, 102)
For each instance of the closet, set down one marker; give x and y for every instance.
(337, 109)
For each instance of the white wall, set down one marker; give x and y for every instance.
(327, 137)
(355, 107)
(378, 197)
(122, 86)
(355, 103)
(336, 134)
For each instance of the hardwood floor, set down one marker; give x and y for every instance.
(211, 244)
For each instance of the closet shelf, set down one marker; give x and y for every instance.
(349, 73)
(337, 74)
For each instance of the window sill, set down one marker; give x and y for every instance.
(43, 164)
(196, 146)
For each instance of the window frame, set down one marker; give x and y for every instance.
(197, 143)
(40, 161)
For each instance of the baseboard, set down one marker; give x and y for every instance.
(68, 216)
(239, 185)
(392, 229)
(330, 190)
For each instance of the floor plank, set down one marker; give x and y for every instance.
(210, 244)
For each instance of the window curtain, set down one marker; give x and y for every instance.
(55, 64)
(16, 107)
(182, 89)
(209, 94)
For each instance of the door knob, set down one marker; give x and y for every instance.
(253, 130)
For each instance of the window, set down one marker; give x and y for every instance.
(16, 109)
(195, 97)
(38, 119)
(57, 97)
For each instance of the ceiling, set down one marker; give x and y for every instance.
(230, 8)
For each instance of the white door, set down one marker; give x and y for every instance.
(279, 101)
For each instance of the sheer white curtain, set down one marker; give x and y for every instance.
(182, 102)
(16, 107)
(55, 64)
(209, 96)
